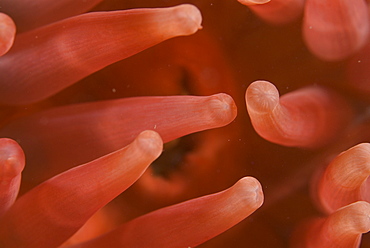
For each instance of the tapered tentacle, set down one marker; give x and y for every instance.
(60, 56)
(341, 229)
(49, 138)
(187, 224)
(345, 180)
(309, 117)
(50, 213)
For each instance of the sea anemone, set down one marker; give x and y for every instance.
(127, 135)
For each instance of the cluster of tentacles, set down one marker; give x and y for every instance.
(103, 144)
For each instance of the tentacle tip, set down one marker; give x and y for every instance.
(359, 155)
(364, 147)
(261, 97)
(359, 215)
(190, 18)
(253, 2)
(12, 159)
(362, 211)
(150, 142)
(250, 189)
(12, 167)
(223, 108)
(7, 33)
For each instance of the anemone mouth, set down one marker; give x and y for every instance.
(173, 156)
